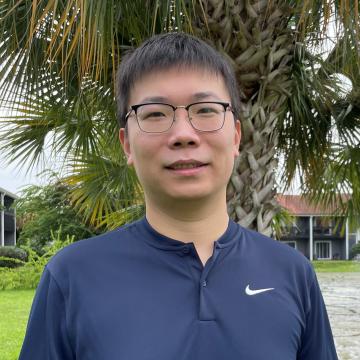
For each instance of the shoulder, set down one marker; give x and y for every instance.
(264, 243)
(87, 252)
(275, 255)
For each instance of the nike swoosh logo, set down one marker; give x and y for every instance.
(250, 292)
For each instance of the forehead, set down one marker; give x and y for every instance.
(178, 83)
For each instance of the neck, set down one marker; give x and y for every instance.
(198, 221)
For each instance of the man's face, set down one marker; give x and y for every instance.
(153, 154)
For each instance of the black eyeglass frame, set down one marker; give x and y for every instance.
(226, 105)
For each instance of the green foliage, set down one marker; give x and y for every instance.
(28, 276)
(20, 278)
(11, 256)
(280, 221)
(42, 209)
(355, 250)
(59, 62)
(104, 189)
(65, 56)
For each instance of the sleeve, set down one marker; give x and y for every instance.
(46, 335)
(317, 339)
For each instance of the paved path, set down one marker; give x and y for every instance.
(341, 293)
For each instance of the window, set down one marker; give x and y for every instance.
(323, 250)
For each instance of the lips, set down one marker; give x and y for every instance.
(185, 164)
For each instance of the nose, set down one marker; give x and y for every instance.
(182, 133)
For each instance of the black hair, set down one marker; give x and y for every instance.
(165, 51)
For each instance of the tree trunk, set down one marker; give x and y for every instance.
(256, 38)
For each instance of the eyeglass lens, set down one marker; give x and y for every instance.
(159, 117)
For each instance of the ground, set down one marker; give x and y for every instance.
(341, 292)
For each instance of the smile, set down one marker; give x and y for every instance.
(187, 169)
(185, 166)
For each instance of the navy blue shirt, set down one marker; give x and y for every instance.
(134, 294)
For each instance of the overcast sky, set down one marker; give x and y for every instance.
(13, 179)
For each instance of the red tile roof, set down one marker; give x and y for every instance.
(298, 205)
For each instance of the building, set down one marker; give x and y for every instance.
(316, 232)
(7, 218)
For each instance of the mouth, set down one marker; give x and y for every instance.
(187, 164)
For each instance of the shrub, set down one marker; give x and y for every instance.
(355, 250)
(22, 278)
(11, 256)
(41, 209)
(28, 276)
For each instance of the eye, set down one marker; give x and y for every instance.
(206, 109)
(154, 114)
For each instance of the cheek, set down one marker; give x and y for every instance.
(225, 148)
(139, 160)
(144, 157)
(225, 158)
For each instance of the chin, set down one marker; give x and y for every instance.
(185, 192)
(190, 195)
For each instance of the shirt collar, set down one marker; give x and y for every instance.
(160, 241)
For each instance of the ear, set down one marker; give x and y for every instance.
(237, 137)
(125, 143)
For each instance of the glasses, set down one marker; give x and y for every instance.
(159, 117)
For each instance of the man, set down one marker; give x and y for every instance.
(184, 282)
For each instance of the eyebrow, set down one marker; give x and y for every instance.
(204, 95)
(154, 99)
(196, 97)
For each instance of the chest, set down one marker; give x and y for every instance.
(180, 309)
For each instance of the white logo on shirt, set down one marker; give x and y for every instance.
(248, 291)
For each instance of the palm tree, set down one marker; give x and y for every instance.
(59, 60)
(290, 98)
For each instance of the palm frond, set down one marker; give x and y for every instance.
(65, 120)
(304, 131)
(339, 185)
(78, 39)
(103, 185)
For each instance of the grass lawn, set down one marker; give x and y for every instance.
(336, 266)
(15, 307)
